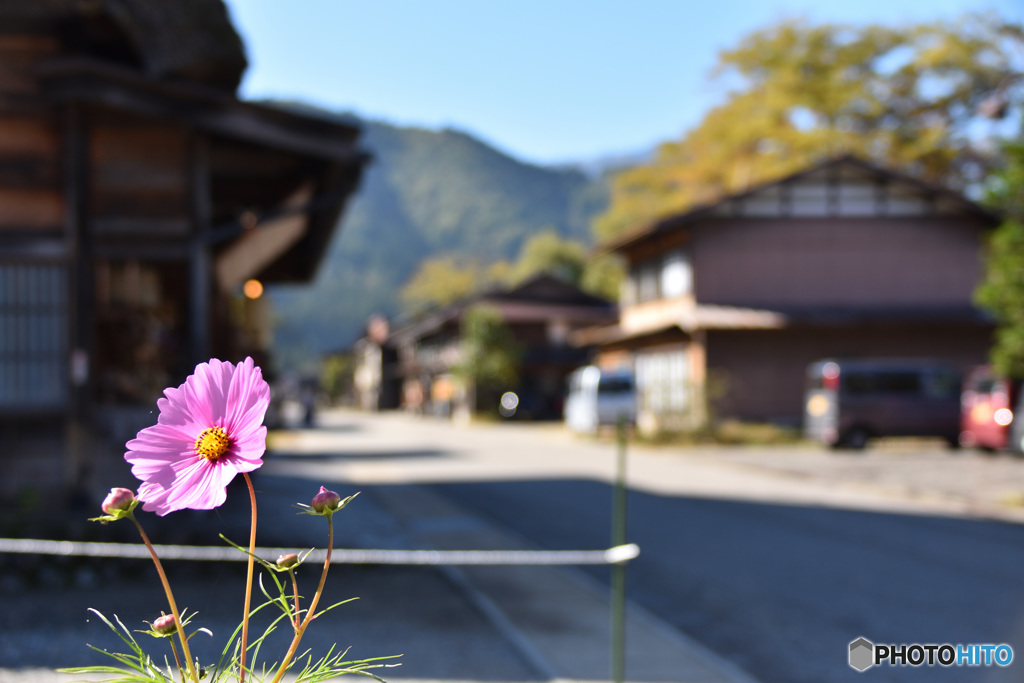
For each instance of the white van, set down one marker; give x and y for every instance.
(598, 397)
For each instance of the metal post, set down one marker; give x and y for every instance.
(618, 596)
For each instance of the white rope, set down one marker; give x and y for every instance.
(616, 555)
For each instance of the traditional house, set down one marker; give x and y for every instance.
(729, 302)
(540, 314)
(137, 194)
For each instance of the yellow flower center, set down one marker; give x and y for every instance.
(212, 443)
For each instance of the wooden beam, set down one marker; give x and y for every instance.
(75, 161)
(134, 250)
(658, 245)
(199, 261)
(81, 80)
(46, 247)
(142, 227)
(30, 173)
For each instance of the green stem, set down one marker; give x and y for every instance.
(311, 612)
(248, 579)
(170, 601)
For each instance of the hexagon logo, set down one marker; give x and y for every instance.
(862, 654)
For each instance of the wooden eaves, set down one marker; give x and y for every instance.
(670, 222)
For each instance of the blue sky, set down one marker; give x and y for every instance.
(547, 81)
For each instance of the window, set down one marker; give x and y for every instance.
(33, 337)
(944, 385)
(615, 385)
(676, 275)
(663, 382)
(882, 382)
(667, 277)
(648, 282)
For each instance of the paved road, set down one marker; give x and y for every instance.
(767, 556)
(781, 590)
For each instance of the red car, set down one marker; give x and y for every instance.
(986, 409)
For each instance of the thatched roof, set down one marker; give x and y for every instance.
(190, 40)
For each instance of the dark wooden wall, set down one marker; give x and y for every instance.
(30, 169)
(837, 262)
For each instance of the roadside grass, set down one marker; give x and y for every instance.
(725, 433)
(736, 433)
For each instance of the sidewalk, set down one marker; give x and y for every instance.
(914, 475)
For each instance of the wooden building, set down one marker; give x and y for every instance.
(540, 313)
(731, 301)
(137, 194)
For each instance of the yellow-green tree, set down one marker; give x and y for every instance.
(547, 252)
(603, 275)
(568, 260)
(444, 280)
(440, 281)
(903, 97)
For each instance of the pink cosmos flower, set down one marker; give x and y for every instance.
(209, 429)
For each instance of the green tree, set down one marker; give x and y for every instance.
(336, 374)
(1002, 290)
(490, 354)
(904, 97)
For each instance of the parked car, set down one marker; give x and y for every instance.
(849, 402)
(987, 409)
(599, 397)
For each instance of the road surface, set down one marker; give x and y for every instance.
(777, 573)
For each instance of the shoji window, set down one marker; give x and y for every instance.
(33, 337)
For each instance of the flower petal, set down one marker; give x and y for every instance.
(248, 399)
(195, 485)
(252, 448)
(217, 394)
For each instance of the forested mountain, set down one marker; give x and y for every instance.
(426, 193)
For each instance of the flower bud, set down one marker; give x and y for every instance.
(118, 500)
(326, 501)
(165, 625)
(287, 561)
